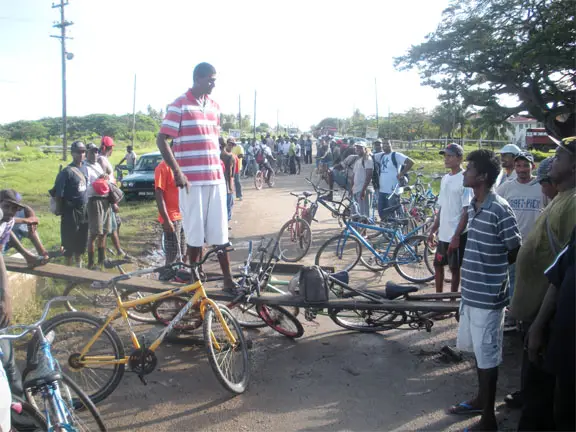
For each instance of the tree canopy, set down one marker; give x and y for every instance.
(483, 50)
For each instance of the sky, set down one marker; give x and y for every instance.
(306, 60)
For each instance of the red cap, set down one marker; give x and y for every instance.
(101, 187)
(107, 141)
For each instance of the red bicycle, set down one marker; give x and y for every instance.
(295, 236)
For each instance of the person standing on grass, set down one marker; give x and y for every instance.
(193, 121)
(548, 235)
(169, 216)
(130, 158)
(71, 199)
(106, 149)
(527, 201)
(393, 167)
(238, 151)
(451, 220)
(362, 180)
(98, 207)
(492, 244)
(507, 155)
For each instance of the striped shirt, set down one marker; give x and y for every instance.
(492, 233)
(195, 130)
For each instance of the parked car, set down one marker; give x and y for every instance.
(140, 184)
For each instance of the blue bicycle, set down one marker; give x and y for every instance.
(409, 254)
(64, 405)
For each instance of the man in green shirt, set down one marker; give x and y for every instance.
(548, 235)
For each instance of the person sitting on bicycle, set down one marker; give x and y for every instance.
(341, 174)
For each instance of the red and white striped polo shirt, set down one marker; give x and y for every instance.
(195, 130)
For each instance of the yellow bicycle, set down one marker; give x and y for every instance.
(90, 351)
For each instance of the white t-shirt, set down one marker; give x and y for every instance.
(95, 170)
(107, 167)
(388, 172)
(130, 159)
(453, 197)
(526, 200)
(297, 150)
(360, 167)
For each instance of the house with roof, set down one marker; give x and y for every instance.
(520, 124)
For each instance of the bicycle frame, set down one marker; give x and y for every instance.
(199, 296)
(398, 238)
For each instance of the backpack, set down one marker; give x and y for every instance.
(313, 284)
(260, 156)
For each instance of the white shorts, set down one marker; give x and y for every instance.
(204, 215)
(481, 331)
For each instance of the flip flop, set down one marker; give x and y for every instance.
(463, 408)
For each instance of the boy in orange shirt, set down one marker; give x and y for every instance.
(169, 216)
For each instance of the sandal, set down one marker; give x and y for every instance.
(464, 408)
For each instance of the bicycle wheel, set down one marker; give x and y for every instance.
(279, 319)
(272, 180)
(246, 315)
(258, 180)
(25, 417)
(229, 360)
(72, 331)
(79, 410)
(410, 259)
(101, 301)
(165, 310)
(294, 240)
(367, 321)
(339, 252)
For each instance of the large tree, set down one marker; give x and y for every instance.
(484, 50)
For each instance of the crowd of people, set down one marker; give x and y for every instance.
(506, 235)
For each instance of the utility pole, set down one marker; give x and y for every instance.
(254, 130)
(62, 26)
(376, 93)
(239, 115)
(134, 113)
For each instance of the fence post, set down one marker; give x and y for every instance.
(480, 143)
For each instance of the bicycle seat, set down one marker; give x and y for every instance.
(394, 290)
(41, 376)
(307, 194)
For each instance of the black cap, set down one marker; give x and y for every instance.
(77, 145)
(526, 156)
(11, 196)
(92, 147)
(453, 149)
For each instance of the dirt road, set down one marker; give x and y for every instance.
(330, 379)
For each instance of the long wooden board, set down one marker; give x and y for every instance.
(80, 275)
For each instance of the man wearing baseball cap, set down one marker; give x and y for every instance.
(549, 234)
(527, 201)
(507, 155)
(451, 220)
(71, 199)
(543, 179)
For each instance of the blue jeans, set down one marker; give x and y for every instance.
(363, 204)
(230, 204)
(384, 203)
(237, 185)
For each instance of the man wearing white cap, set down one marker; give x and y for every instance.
(507, 155)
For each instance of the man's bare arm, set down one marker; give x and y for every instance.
(168, 156)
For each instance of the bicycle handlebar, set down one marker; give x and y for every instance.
(29, 327)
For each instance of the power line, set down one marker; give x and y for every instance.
(62, 24)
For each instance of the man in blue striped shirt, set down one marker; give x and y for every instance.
(492, 244)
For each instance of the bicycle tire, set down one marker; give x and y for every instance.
(28, 419)
(237, 386)
(416, 243)
(278, 318)
(369, 321)
(165, 310)
(258, 180)
(331, 246)
(102, 391)
(93, 297)
(80, 402)
(246, 315)
(296, 227)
